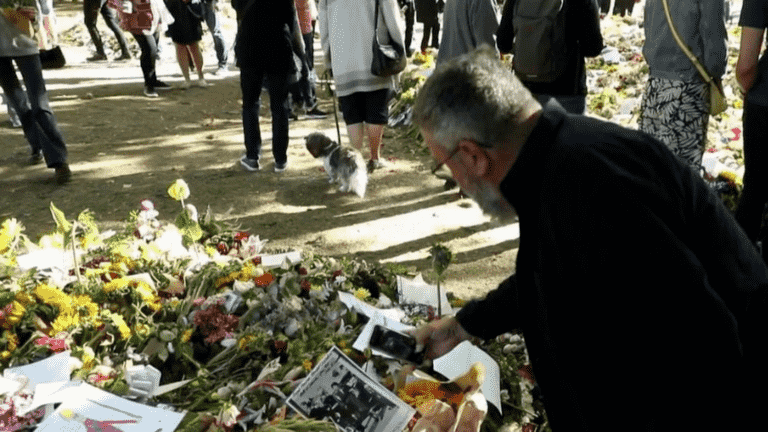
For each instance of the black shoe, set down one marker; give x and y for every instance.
(125, 56)
(97, 57)
(35, 158)
(293, 116)
(62, 174)
(315, 113)
(150, 92)
(409, 52)
(159, 85)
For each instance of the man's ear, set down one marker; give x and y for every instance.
(475, 157)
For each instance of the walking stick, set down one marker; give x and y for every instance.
(328, 80)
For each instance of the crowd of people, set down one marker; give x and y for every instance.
(629, 264)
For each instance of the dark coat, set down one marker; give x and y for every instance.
(426, 12)
(634, 286)
(264, 38)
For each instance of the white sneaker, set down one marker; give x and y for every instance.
(202, 83)
(185, 85)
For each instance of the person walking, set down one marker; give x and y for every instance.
(266, 41)
(34, 109)
(186, 32)
(212, 20)
(346, 35)
(426, 14)
(91, 10)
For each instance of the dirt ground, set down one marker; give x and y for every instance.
(125, 147)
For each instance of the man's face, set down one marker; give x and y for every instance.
(486, 194)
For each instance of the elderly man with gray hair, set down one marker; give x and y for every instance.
(642, 303)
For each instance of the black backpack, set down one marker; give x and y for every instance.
(540, 40)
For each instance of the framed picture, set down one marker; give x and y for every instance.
(339, 390)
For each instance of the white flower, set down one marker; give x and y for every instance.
(229, 416)
(242, 287)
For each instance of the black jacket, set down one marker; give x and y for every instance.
(265, 37)
(642, 303)
(582, 28)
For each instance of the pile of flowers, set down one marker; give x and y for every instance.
(194, 300)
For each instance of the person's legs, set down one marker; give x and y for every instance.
(278, 103)
(309, 49)
(182, 56)
(409, 15)
(436, 35)
(197, 57)
(53, 146)
(374, 132)
(213, 22)
(356, 134)
(749, 213)
(425, 37)
(250, 85)
(110, 18)
(16, 98)
(90, 15)
(148, 45)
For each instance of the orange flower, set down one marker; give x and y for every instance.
(264, 280)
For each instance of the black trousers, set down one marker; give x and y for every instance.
(91, 9)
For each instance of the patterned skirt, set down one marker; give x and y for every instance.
(677, 114)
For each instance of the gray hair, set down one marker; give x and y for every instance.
(474, 97)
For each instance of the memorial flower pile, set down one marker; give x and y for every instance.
(231, 329)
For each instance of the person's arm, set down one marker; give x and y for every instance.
(484, 319)
(394, 20)
(505, 35)
(591, 39)
(714, 36)
(325, 41)
(485, 22)
(749, 51)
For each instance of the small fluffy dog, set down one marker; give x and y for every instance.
(344, 165)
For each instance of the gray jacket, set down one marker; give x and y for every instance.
(467, 24)
(701, 24)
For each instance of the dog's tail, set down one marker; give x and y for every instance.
(358, 181)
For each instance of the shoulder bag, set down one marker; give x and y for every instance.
(717, 103)
(389, 59)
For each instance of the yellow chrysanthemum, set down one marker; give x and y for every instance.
(12, 340)
(187, 335)
(210, 251)
(5, 355)
(9, 231)
(142, 329)
(85, 306)
(54, 296)
(179, 190)
(89, 359)
(307, 364)
(17, 313)
(119, 322)
(248, 271)
(147, 294)
(65, 322)
(245, 341)
(116, 284)
(362, 293)
(224, 280)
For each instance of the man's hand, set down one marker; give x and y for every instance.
(440, 337)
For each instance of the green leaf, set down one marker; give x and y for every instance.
(61, 221)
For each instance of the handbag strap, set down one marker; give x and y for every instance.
(376, 20)
(691, 56)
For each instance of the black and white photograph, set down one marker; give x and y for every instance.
(338, 390)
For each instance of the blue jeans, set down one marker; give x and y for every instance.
(33, 107)
(214, 25)
(251, 81)
(148, 45)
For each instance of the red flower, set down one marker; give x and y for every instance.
(241, 235)
(335, 274)
(256, 260)
(222, 248)
(214, 324)
(302, 271)
(527, 373)
(55, 345)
